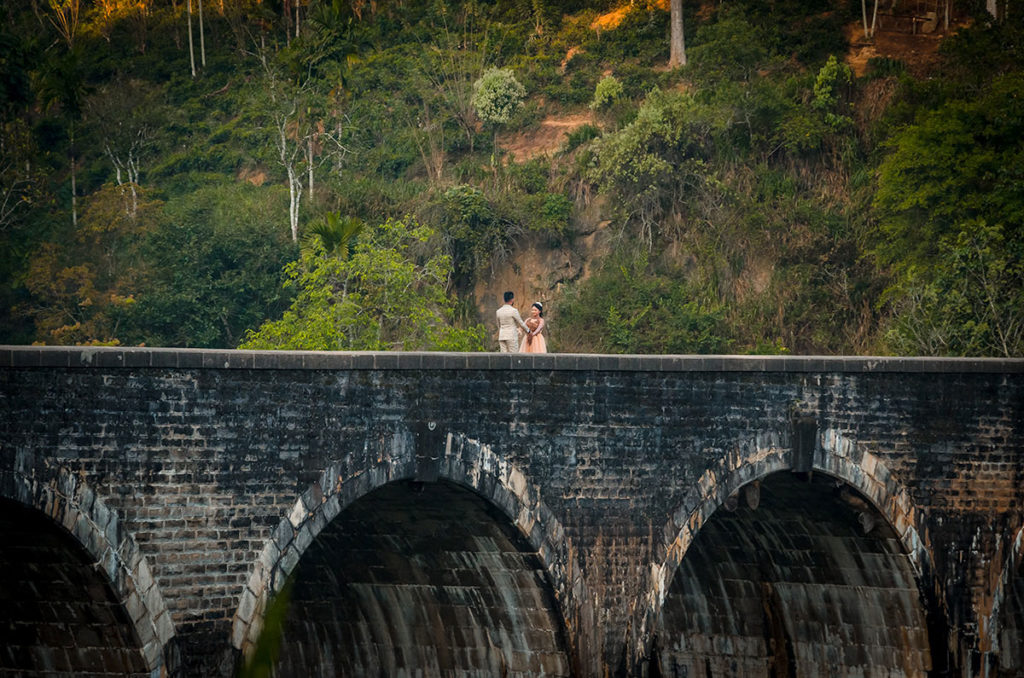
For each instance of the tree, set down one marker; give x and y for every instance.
(497, 96)
(108, 13)
(63, 86)
(214, 267)
(125, 114)
(677, 41)
(19, 175)
(337, 235)
(650, 164)
(606, 93)
(869, 32)
(64, 15)
(950, 203)
(451, 65)
(960, 162)
(389, 294)
(81, 289)
(202, 38)
(286, 117)
(972, 304)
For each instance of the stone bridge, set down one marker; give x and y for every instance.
(488, 515)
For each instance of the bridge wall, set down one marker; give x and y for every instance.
(220, 468)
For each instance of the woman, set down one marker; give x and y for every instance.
(534, 342)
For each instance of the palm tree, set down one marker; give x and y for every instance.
(337, 234)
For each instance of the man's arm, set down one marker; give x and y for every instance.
(519, 319)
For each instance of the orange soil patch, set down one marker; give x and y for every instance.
(612, 19)
(256, 177)
(573, 51)
(546, 139)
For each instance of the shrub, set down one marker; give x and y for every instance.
(608, 91)
(580, 136)
(497, 95)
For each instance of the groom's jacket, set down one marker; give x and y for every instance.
(508, 320)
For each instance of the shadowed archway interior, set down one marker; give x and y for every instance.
(1011, 626)
(421, 579)
(58, 614)
(800, 577)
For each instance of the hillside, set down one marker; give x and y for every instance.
(374, 175)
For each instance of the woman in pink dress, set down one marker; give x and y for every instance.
(534, 342)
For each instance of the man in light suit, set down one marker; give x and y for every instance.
(508, 319)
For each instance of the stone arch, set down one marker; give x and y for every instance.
(70, 503)
(463, 462)
(836, 456)
(1001, 631)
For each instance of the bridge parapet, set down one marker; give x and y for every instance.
(111, 357)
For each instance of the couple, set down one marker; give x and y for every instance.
(508, 332)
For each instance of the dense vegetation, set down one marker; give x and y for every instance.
(331, 174)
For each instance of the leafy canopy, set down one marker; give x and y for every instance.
(497, 95)
(389, 293)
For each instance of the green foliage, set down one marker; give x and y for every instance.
(641, 37)
(961, 162)
(628, 307)
(884, 67)
(389, 294)
(951, 205)
(832, 79)
(497, 96)
(216, 258)
(971, 304)
(983, 51)
(474, 233)
(654, 161)
(337, 235)
(608, 91)
(580, 136)
(82, 288)
(745, 169)
(808, 30)
(554, 211)
(729, 49)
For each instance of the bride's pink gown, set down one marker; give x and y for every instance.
(537, 345)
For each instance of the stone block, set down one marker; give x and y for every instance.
(137, 357)
(298, 514)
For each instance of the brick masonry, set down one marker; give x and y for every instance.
(198, 481)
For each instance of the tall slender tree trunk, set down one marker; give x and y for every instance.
(677, 41)
(294, 195)
(74, 188)
(202, 39)
(869, 32)
(309, 164)
(191, 48)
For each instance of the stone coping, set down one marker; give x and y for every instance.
(186, 358)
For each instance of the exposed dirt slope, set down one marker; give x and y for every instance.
(546, 139)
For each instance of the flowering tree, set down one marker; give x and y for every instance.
(497, 96)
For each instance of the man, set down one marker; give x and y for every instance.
(508, 319)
